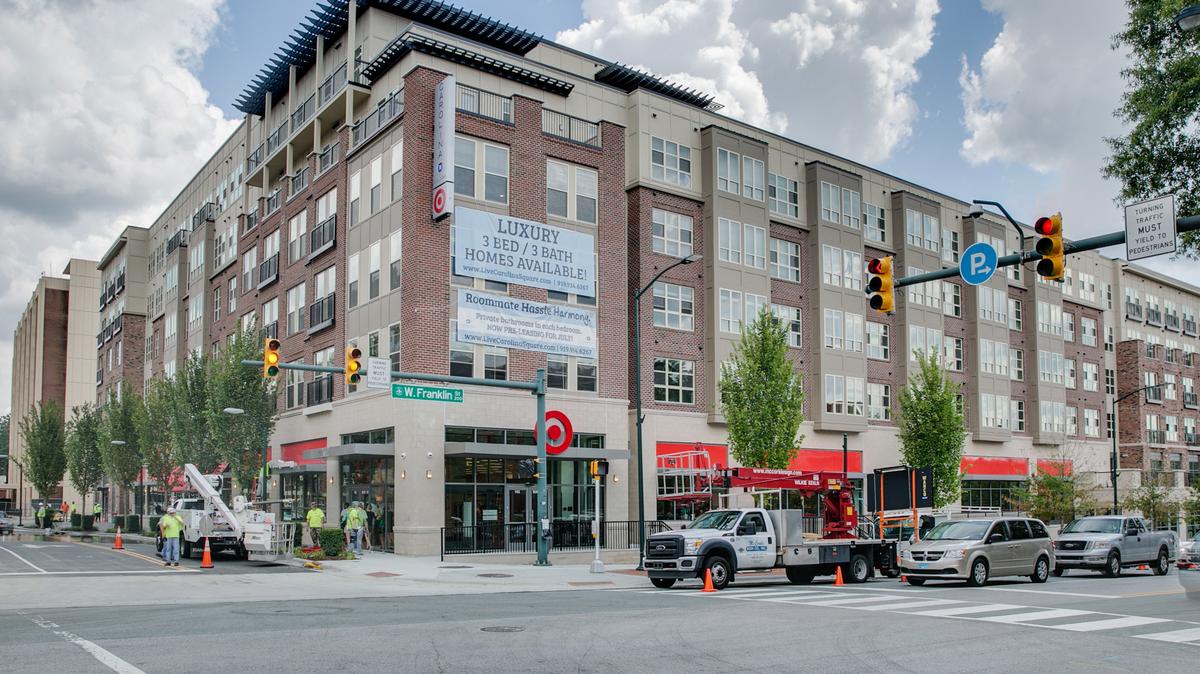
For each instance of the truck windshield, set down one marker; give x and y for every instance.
(958, 531)
(716, 519)
(1094, 526)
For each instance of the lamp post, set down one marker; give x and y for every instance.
(637, 394)
(977, 211)
(262, 478)
(1112, 463)
(1188, 19)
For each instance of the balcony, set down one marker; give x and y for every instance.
(1189, 327)
(320, 314)
(1190, 401)
(268, 271)
(570, 128)
(1133, 311)
(1172, 322)
(485, 104)
(328, 158)
(305, 112)
(1191, 439)
(321, 238)
(252, 220)
(319, 390)
(1154, 317)
(275, 140)
(1156, 437)
(103, 298)
(179, 240)
(207, 213)
(370, 125)
(332, 85)
(255, 159)
(299, 182)
(120, 284)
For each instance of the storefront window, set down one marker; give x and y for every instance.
(476, 486)
(989, 493)
(378, 436)
(302, 489)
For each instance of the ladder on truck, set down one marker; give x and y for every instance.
(685, 476)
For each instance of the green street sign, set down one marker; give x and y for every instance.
(427, 393)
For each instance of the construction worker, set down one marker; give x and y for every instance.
(170, 526)
(74, 510)
(315, 518)
(355, 519)
(97, 513)
(40, 516)
(65, 509)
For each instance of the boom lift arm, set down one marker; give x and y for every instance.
(211, 496)
(836, 492)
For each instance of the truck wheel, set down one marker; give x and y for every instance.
(663, 583)
(720, 570)
(858, 570)
(1112, 566)
(1163, 565)
(1059, 572)
(799, 576)
(979, 573)
(1041, 571)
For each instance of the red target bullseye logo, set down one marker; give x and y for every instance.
(439, 200)
(558, 432)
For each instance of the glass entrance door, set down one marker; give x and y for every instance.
(518, 511)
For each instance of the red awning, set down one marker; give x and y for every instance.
(995, 465)
(718, 455)
(1055, 467)
(294, 451)
(830, 460)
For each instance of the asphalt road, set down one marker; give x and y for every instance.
(1078, 623)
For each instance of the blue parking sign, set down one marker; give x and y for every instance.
(978, 263)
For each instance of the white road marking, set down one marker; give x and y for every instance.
(751, 590)
(40, 569)
(907, 603)
(965, 610)
(794, 599)
(1042, 614)
(1176, 637)
(843, 601)
(1110, 624)
(101, 655)
(777, 595)
(93, 573)
(1063, 594)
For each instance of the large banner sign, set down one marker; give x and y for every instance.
(511, 323)
(512, 250)
(443, 148)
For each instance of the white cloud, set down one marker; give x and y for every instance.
(838, 71)
(104, 121)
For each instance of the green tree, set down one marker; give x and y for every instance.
(931, 427)
(153, 423)
(1161, 106)
(1191, 505)
(240, 439)
(762, 397)
(84, 463)
(4, 426)
(44, 459)
(122, 462)
(1056, 495)
(1153, 500)
(191, 431)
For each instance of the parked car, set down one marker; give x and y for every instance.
(978, 549)
(6, 523)
(1189, 550)
(1111, 543)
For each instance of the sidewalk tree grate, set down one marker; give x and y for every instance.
(495, 575)
(502, 628)
(382, 574)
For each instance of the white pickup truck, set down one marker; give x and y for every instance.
(731, 541)
(1111, 543)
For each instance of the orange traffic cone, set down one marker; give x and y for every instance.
(206, 560)
(117, 541)
(708, 586)
(903, 578)
(837, 577)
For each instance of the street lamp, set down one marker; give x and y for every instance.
(1112, 463)
(637, 394)
(977, 210)
(262, 480)
(1188, 19)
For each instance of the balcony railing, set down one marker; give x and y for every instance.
(320, 314)
(1189, 327)
(255, 159)
(1153, 317)
(117, 324)
(1156, 437)
(1190, 401)
(565, 535)
(299, 181)
(1172, 322)
(103, 299)
(328, 158)
(1133, 311)
(484, 103)
(320, 390)
(277, 137)
(274, 200)
(1169, 355)
(305, 112)
(268, 271)
(272, 329)
(321, 238)
(179, 240)
(333, 84)
(571, 128)
(207, 213)
(120, 285)
(370, 125)
(1191, 439)
(252, 220)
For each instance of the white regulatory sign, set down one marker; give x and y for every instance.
(1150, 228)
(379, 373)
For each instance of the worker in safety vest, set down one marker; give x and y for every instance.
(170, 526)
(356, 519)
(315, 518)
(74, 509)
(97, 512)
(65, 509)
(41, 516)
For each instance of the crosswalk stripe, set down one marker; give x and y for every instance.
(776, 595)
(1176, 637)
(966, 610)
(754, 590)
(1111, 624)
(801, 599)
(1042, 614)
(909, 603)
(844, 601)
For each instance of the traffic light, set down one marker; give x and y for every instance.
(1050, 247)
(270, 358)
(598, 468)
(353, 364)
(879, 286)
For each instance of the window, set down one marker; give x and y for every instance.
(556, 371)
(835, 394)
(469, 182)
(1068, 327)
(397, 171)
(912, 228)
(376, 194)
(294, 388)
(729, 235)
(373, 271)
(1109, 343)
(1016, 364)
(951, 299)
(1072, 420)
(1091, 423)
(752, 171)
(993, 357)
(875, 223)
(728, 171)
(1110, 381)
(782, 195)
(785, 260)
(1014, 314)
(731, 311)
(1169, 386)
(932, 233)
(789, 317)
(356, 188)
(993, 304)
(833, 329)
(297, 236)
(395, 249)
(856, 396)
(249, 320)
(564, 180)
(585, 374)
(994, 411)
(756, 247)
(249, 269)
(1091, 377)
(877, 341)
(352, 269)
(949, 246)
(270, 313)
(1052, 416)
(495, 363)
(1049, 317)
(851, 208)
(196, 257)
(1050, 367)
(1069, 365)
(462, 355)
(831, 265)
(270, 246)
(671, 233)
(754, 306)
(674, 306)
(854, 269)
(1017, 415)
(953, 356)
(394, 345)
(879, 401)
(674, 381)
(831, 203)
(216, 303)
(296, 307)
(670, 162)
(854, 333)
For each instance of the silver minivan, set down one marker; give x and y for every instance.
(978, 549)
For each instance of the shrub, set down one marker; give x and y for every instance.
(89, 523)
(132, 524)
(332, 542)
(76, 520)
(153, 526)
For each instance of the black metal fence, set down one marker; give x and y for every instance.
(565, 536)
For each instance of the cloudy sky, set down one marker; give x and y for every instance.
(110, 107)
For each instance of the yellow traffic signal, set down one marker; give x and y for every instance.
(879, 286)
(1052, 265)
(353, 364)
(594, 469)
(270, 358)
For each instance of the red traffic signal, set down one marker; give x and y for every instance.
(879, 286)
(1052, 266)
